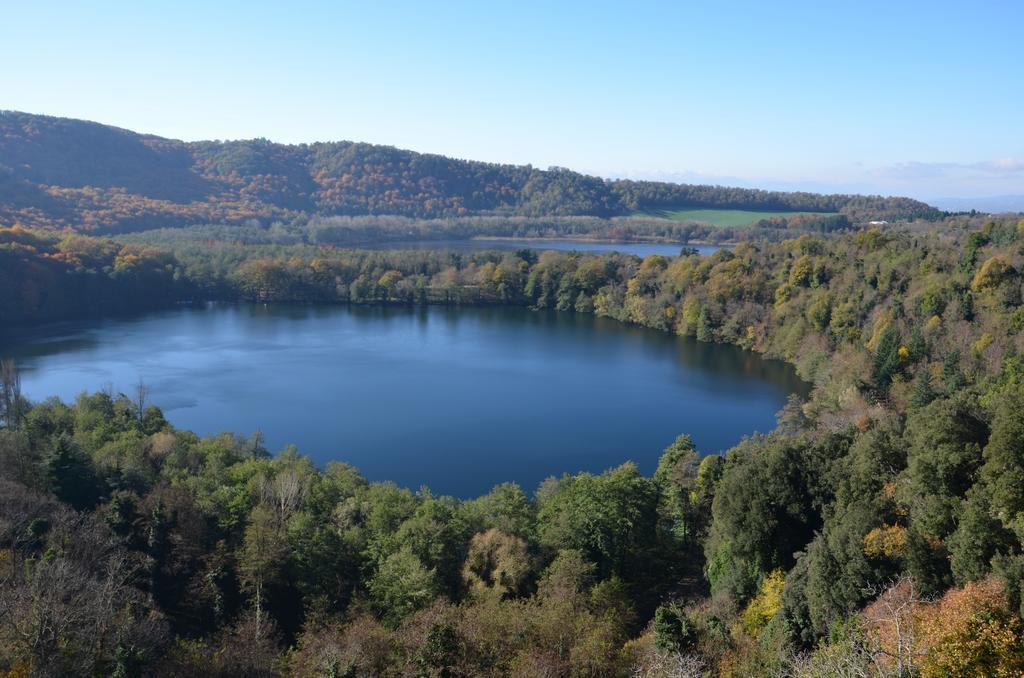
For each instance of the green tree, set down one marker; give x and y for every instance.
(676, 478)
(887, 358)
(1003, 467)
(71, 476)
(944, 444)
(767, 507)
(401, 585)
(673, 632)
(609, 518)
(923, 391)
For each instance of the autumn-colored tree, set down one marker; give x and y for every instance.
(496, 563)
(971, 631)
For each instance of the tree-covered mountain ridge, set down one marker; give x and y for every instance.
(67, 173)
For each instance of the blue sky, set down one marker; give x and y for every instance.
(917, 98)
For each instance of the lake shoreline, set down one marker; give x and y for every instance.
(333, 366)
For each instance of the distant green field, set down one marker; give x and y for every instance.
(720, 218)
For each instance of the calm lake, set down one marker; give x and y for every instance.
(459, 399)
(640, 249)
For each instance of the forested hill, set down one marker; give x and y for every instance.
(59, 172)
(877, 531)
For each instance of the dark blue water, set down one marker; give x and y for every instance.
(457, 399)
(640, 249)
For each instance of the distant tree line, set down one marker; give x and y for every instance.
(362, 231)
(653, 195)
(61, 173)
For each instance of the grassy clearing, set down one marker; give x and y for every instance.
(721, 218)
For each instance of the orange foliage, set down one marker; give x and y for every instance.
(971, 632)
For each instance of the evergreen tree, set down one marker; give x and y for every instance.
(887, 358)
(71, 476)
(953, 379)
(917, 347)
(923, 391)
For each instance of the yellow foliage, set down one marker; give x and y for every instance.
(126, 260)
(800, 274)
(783, 293)
(904, 354)
(933, 325)
(765, 605)
(992, 274)
(389, 279)
(320, 266)
(888, 541)
(983, 342)
(881, 325)
(691, 314)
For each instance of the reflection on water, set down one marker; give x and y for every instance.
(456, 398)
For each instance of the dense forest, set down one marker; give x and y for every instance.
(63, 173)
(371, 230)
(877, 531)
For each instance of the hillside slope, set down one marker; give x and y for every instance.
(59, 172)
